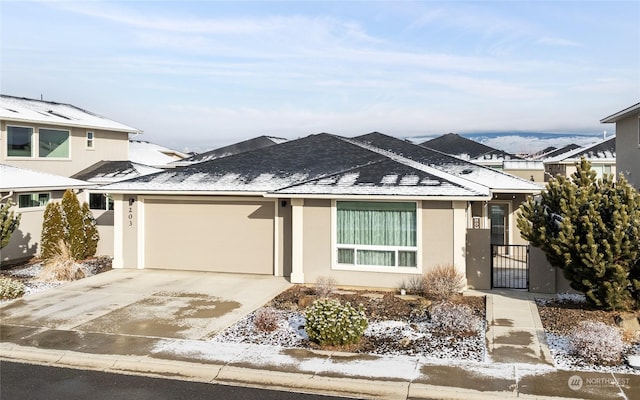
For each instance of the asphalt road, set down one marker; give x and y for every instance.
(35, 382)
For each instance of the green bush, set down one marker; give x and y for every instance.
(10, 288)
(330, 323)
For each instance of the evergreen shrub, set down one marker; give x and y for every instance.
(331, 323)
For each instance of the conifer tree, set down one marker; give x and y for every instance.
(90, 231)
(75, 234)
(9, 222)
(53, 230)
(591, 229)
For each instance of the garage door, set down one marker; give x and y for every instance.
(209, 236)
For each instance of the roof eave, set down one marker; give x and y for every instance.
(620, 114)
(44, 188)
(75, 125)
(176, 192)
(375, 197)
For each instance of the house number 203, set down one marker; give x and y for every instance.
(130, 214)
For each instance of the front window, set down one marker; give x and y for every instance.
(54, 143)
(376, 233)
(31, 200)
(100, 201)
(19, 141)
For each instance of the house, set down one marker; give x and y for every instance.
(236, 148)
(58, 138)
(153, 155)
(368, 211)
(470, 150)
(627, 142)
(30, 191)
(601, 155)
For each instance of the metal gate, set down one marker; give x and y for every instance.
(510, 266)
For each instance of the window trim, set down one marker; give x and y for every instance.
(34, 208)
(90, 142)
(376, 268)
(68, 157)
(6, 146)
(109, 201)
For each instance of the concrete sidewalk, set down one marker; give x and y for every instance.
(519, 363)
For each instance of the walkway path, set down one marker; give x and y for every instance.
(515, 333)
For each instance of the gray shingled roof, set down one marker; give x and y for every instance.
(373, 164)
(236, 148)
(456, 145)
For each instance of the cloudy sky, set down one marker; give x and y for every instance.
(200, 75)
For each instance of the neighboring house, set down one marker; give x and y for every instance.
(368, 211)
(58, 138)
(627, 142)
(153, 155)
(30, 191)
(236, 148)
(469, 150)
(601, 154)
(551, 152)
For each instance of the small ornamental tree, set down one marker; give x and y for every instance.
(75, 235)
(90, 231)
(9, 222)
(591, 229)
(73, 224)
(53, 230)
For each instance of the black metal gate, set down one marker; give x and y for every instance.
(510, 266)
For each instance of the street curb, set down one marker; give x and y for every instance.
(250, 377)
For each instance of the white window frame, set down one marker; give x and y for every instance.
(33, 141)
(90, 143)
(376, 268)
(37, 156)
(32, 194)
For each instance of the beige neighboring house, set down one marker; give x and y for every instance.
(601, 155)
(627, 142)
(368, 211)
(30, 191)
(58, 138)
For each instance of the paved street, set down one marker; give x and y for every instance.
(35, 382)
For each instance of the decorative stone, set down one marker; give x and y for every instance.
(628, 322)
(634, 361)
(405, 342)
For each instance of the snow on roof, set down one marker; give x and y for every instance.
(603, 150)
(114, 171)
(634, 109)
(467, 149)
(232, 149)
(51, 113)
(332, 165)
(21, 179)
(152, 154)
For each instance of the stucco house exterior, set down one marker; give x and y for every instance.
(627, 142)
(59, 140)
(368, 211)
(30, 191)
(601, 155)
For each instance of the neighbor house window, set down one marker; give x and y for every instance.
(30, 200)
(100, 201)
(89, 140)
(376, 233)
(53, 143)
(19, 141)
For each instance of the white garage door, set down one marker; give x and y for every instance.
(209, 235)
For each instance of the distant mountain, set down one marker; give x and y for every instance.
(524, 142)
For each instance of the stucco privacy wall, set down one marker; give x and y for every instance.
(438, 240)
(108, 145)
(23, 246)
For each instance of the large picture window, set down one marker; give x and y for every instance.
(54, 143)
(376, 233)
(19, 141)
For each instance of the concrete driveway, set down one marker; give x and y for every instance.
(144, 303)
